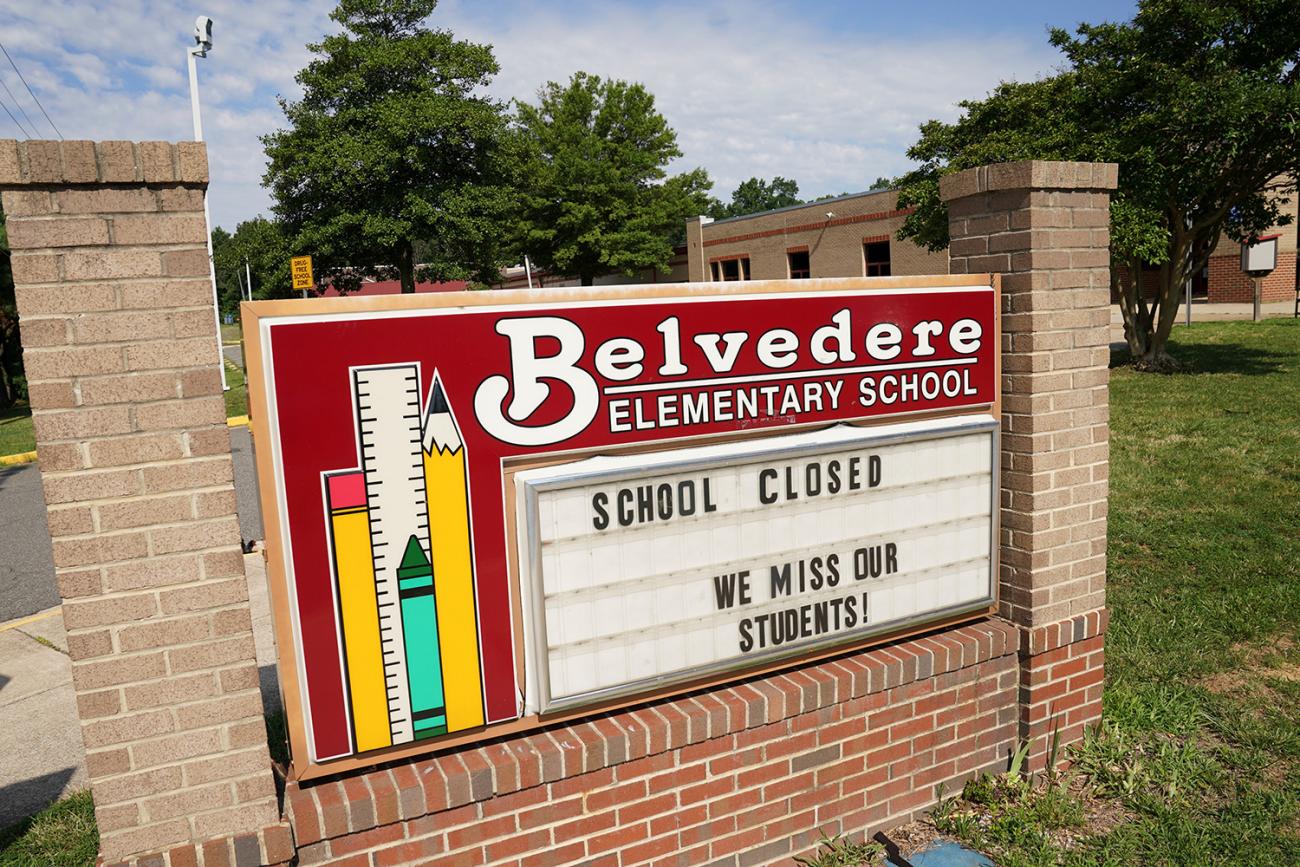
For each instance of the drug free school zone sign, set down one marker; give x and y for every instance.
(489, 510)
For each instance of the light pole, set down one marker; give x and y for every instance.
(202, 43)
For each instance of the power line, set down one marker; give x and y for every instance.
(35, 99)
(14, 119)
(18, 105)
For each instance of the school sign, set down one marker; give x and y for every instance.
(492, 509)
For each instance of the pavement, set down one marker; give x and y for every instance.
(26, 555)
(42, 758)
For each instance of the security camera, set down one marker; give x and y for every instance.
(203, 33)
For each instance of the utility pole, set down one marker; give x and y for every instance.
(203, 42)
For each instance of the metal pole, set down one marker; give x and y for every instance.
(207, 216)
(1187, 301)
(528, 270)
(1257, 314)
(249, 281)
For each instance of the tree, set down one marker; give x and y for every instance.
(598, 197)
(1199, 103)
(393, 143)
(13, 384)
(756, 195)
(881, 183)
(263, 244)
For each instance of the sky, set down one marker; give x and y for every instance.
(827, 92)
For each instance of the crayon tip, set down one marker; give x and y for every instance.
(414, 559)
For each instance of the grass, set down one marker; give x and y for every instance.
(231, 333)
(16, 434)
(61, 835)
(237, 395)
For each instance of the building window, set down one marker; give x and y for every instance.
(800, 266)
(736, 268)
(876, 254)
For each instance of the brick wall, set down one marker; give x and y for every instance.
(1229, 284)
(120, 346)
(751, 773)
(1044, 226)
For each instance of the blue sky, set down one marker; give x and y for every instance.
(828, 93)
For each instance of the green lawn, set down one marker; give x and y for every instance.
(1199, 758)
(230, 333)
(16, 430)
(1198, 761)
(237, 395)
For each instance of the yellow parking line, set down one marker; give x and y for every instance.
(238, 421)
(23, 621)
(20, 458)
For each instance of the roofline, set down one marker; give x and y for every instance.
(842, 198)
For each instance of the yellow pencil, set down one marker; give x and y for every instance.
(453, 563)
(354, 573)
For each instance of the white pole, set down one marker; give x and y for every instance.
(190, 54)
(528, 270)
(248, 274)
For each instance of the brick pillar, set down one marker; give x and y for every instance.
(115, 305)
(1044, 227)
(696, 263)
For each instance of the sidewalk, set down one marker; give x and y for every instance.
(1202, 312)
(43, 758)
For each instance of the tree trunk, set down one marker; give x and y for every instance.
(406, 268)
(588, 279)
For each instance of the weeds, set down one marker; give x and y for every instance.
(839, 851)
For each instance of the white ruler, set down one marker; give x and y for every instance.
(392, 456)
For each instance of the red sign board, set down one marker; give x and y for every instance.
(389, 428)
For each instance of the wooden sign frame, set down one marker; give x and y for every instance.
(254, 314)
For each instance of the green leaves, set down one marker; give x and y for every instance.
(1198, 102)
(596, 195)
(392, 145)
(755, 195)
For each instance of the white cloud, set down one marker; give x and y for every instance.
(750, 89)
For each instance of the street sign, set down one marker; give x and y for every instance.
(300, 267)
(492, 508)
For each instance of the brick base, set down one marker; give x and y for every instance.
(751, 773)
(270, 846)
(1062, 666)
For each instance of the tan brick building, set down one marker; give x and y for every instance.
(844, 237)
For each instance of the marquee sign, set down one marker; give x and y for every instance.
(485, 507)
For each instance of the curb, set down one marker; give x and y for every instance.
(15, 460)
(30, 457)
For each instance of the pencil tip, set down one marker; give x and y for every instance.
(437, 399)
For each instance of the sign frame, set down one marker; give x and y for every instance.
(528, 540)
(256, 314)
